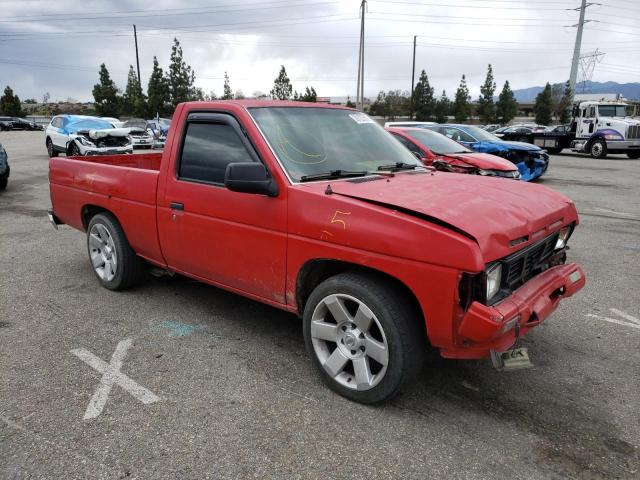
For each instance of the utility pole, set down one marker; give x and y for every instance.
(576, 49)
(360, 88)
(413, 75)
(135, 36)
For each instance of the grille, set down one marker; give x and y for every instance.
(634, 132)
(528, 262)
(112, 142)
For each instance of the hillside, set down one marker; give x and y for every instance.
(630, 91)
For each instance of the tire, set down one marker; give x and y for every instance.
(633, 155)
(52, 153)
(598, 149)
(73, 150)
(350, 349)
(523, 140)
(3, 183)
(554, 151)
(114, 262)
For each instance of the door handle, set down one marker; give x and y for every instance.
(176, 206)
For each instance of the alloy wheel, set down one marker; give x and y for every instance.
(103, 252)
(349, 342)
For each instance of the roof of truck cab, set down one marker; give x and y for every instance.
(267, 103)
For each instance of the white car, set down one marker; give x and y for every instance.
(80, 135)
(114, 121)
(141, 136)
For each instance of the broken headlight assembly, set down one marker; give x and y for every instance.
(563, 237)
(493, 276)
(84, 141)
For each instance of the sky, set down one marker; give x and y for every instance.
(57, 46)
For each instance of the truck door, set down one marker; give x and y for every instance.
(237, 240)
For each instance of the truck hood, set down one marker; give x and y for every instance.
(628, 121)
(501, 215)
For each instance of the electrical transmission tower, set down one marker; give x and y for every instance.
(588, 63)
(576, 49)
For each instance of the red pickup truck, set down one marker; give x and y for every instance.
(316, 210)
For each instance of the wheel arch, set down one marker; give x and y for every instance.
(89, 211)
(315, 271)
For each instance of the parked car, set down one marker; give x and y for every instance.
(519, 133)
(407, 124)
(532, 161)
(79, 135)
(5, 124)
(113, 121)
(140, 135)
(434, 149)
(316, 210)
(4, 168)
(491, 127)
(159, 128)
(24, 124)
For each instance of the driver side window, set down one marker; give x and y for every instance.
(458, 135)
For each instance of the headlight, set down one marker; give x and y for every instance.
(613, 136)
(85, 142)
(494, 276)
(486, 173)
(563, 237)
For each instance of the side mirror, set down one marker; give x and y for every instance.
(250, 177)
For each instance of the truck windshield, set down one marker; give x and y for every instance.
(311, 141)
(436, 142)
(612, 110)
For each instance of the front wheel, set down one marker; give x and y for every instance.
(633, 155)
(74, 150)
(598, 149)
(113, 260)
(363, 337)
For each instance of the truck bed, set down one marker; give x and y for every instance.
(123, 184)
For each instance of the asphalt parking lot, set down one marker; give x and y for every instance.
(212, 385)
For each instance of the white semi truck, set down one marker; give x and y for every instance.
(597, 128)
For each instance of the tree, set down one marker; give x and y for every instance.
(544, 106)
(105, 94)
(486, 106)
(181, 77)
(10, 103)
(239, 95)
(158, 92)
(564, 106)
(133, 102)
(309, 95)
(349, 103)
(46, 97)
(259, 95)
(211, 96)
(391, 104)
(507, 106)
(443, 105)
(281, 86)
(423, 99)
(461, 106)
(227, 93)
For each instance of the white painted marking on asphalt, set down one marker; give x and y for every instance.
(111, 375)
(624, 315)
(613, 320)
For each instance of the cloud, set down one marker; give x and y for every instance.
(58, 46)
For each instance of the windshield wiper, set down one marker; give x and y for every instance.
(394, 167)
(333, 174)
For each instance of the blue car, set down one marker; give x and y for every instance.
(530, 159)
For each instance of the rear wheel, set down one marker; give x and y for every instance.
(50, 150)
(363, 337)
(554, 151)
(598, 149)
(113, 260)
(3, 183)
(633, 155)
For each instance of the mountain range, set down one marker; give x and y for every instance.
(630, 91)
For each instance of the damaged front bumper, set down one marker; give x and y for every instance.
(497, 327)
(89, 151)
